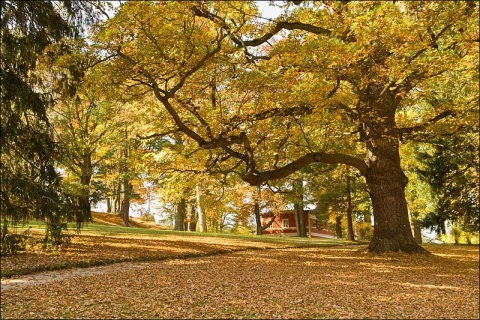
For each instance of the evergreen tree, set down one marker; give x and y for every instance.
(29, 184)
(452, 170)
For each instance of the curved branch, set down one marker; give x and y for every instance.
(425, 125)
(157, 135)
(279, 26)
(257, 178)
(287, 26)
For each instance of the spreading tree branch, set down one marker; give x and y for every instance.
(423, 126)
(256, 178)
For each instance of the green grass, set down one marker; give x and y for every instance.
(110, 230)
(294, 241)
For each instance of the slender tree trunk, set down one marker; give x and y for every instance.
(109, 204)
(443, 229)
(338, 227)
(368, 217)
(192, 224)
(299, 213)
(180, 216)
(350, 233)
(417, 232)
(118, 196)
(84, 199)
(125, 208)
(202, 221)
(258, 219)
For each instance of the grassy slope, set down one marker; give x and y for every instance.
(112, 225)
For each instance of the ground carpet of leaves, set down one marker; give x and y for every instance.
(337, 282)
(94, 250)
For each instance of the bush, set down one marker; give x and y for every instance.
(364, 230)
(12, 242)
(54, 236)
(459, 236)
(243, 230)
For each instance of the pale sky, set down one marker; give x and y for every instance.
(269, 11)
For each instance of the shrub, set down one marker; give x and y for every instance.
(12, 242)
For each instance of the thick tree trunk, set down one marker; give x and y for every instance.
(192, 219)
(350, 233)
(84, 200)
(385, 180)
(180, 216)
(202, 221)
(386, 183)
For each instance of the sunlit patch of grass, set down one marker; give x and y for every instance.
(112, 230)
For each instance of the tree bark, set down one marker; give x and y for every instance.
(125, 207)
(350, 233)
(202, 221)
(443, 229)
(84, 198)
(299, 214)
(385, 180)
(258, 218)
(417, 232)
(386, 185)
(338, 227)
(117, 197)
(180, 216)
(192, 220)
(109, 204)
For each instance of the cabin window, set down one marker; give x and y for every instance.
(285, 223)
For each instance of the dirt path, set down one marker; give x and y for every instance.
(45, 277)
(283, 283)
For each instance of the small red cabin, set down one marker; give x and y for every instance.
(285, 224)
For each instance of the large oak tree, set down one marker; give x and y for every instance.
(264, 99)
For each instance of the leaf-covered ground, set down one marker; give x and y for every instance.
(94, 250)
(336, 282)
(104, 243)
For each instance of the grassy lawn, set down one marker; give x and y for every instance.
(100, 244)
(118, 231)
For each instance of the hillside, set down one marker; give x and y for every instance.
(114, 220)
